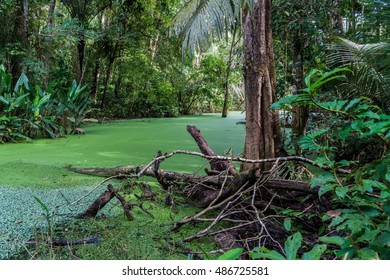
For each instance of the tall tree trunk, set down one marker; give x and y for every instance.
(227, 77)
(107, 79)
(25, 22)
(81, 51)
(49, 24)
(262, 126)
(21, 37)
(300, 114)
(95, 81)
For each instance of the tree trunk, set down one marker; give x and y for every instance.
(95, 81)
(107, 79)
(262, 128)
(81, 52)
(227, 77)
(300, 114)
(21, 37)
(50, 24)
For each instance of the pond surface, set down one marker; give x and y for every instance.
(37, 168)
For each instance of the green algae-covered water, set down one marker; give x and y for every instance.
(37, 168)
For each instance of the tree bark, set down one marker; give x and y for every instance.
(49, 24)
(263, 133)
(21, 37)
(227, 77)
(300, 114)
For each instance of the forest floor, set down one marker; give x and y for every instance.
(37, 169)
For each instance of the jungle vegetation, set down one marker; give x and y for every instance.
(313, 78)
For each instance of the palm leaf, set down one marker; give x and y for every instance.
(370, 64)
(200, 20)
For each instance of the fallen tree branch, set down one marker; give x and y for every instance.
(216, 165)
(238, 159)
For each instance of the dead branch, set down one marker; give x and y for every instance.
(216, 165)
(126, 206)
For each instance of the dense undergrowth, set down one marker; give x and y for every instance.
(30, 112)
(357, 226)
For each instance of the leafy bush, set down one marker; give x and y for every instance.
(361, 198)
(30, 112)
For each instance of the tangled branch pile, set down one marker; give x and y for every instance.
(239, 209)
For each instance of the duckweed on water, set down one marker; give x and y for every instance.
(37, 169)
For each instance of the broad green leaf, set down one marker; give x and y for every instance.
(377, 128)
(322, 160)
(310, 75)
(345, 132)
(287, 224)
(315, 253)
(358, 125)
(370, 212)
(386, 207)
(322, 179)
(381, 170)
(384, 239)
(2, 99)
(369, 184)
(326, 188)
(292, 244)
(351, 104)
(369, 114)
(367, 254)
(336, 240)
(232, 254)
(264, 253)
(334, 105)
(341, 191)
(337, 220)
(368, 236)
(344, 162)
(23, 80)
(385, 194)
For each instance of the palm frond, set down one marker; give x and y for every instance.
(370, 64)
(200, 20)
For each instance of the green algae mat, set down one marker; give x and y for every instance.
(37, 168)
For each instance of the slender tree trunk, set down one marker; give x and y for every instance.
(153, 45)
(81, 52)
(21, 37)
(300, 114)
(95, 80)
(262, 127)
(49, 24)
(111, 60)
(25, 22)
(106, 80)
(227, 77)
